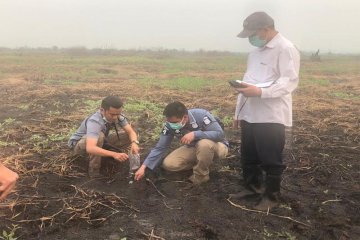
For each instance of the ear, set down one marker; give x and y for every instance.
(186, 117)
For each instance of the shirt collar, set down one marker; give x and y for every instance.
(272, 43)
(191, 118)
(101, 117)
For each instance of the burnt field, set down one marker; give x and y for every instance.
(46, 95)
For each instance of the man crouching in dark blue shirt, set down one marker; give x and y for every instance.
(203, 140)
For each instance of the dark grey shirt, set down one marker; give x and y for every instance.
(92, 126)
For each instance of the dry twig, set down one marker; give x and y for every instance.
(152, 183)
(266, 213)
(152, 236)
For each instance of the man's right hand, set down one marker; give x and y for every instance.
(120, 156)
(140, 173)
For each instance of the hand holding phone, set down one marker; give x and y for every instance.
(236, 84)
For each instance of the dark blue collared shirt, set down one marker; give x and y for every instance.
(201, 122)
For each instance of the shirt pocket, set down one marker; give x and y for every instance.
(264, 73)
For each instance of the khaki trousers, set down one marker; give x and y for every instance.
(198, 158)
(95, 160)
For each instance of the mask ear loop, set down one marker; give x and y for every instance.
(102, 111)
(117, 134)
(183, 124)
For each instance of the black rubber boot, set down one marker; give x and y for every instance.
(253, 183)
(270, 198)
(253, 176)
(249, 191)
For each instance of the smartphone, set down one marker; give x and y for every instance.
(236, 84)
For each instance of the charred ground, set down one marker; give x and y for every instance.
(44, 97)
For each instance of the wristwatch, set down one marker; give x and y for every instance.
(136, 141)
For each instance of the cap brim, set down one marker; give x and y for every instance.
(246, 33)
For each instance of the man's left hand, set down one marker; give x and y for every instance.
(188, 138)
(249, 90)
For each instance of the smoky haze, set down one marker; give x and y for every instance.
(328, 25)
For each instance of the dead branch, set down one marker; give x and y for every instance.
(152, 236)
(334, 200)
(152, 183)
(172, 208)
(122, 201)
(267, 213)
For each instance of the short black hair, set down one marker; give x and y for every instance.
(175, 109)
(111, 101)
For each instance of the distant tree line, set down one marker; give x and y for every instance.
(83, 51)
(155, 52)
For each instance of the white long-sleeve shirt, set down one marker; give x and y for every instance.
(277, 61)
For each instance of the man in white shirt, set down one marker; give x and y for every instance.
(263, 113)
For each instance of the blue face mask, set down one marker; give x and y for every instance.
(256, 41)
(176, 126)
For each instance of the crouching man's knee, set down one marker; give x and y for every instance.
(170, 164)
(210, 149)
(174, 164)
(205, 145)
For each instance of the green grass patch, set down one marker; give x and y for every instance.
(227, 121)
(10, 234)
(7, 144)
(54, 113)
(137, 106)
(314, 81)
(331, 66)
(24, 107)
(203, 64)
(39, 142)
(7, 122)
(344, 95)
(180, 83)
(56, 137)
(71, 76)
(43, 142)
(320, 82)
(186, 83)
(91, 105)
(60, 82)
(142, 110)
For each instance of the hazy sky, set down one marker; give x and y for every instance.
(331, 25)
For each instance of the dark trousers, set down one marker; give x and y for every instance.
(261, 150)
